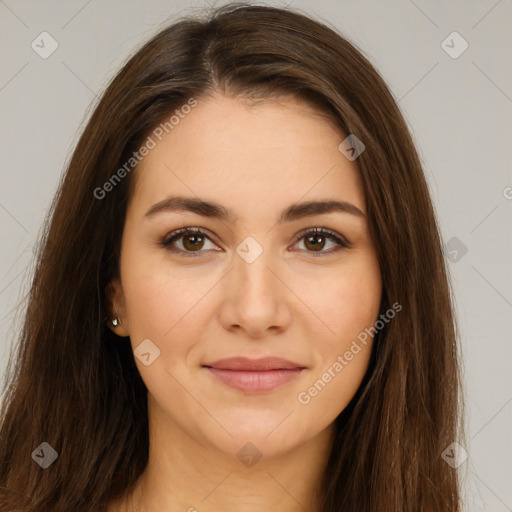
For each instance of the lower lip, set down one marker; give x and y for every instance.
(255, 381)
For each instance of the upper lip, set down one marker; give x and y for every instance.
(262, 364)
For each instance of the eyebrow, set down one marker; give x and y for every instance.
(215, 210)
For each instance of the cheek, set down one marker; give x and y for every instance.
(347, 300)
(157, 299)
(350, 306)
(164, 308)
(358, 301)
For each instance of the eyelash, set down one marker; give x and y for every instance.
(167, 241)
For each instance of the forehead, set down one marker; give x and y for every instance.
(242, 155)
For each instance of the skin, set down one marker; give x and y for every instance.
(256, 161)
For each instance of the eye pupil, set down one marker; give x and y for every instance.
(315, 245)
(186, 239)
(192, 242)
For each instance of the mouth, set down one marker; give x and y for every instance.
(254, 375)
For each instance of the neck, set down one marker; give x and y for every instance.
(192, 475)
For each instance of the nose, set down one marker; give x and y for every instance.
(256, 297)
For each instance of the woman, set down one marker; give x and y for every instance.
(241, 301)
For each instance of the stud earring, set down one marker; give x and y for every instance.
(116, 320)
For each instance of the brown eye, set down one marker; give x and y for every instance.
(192, 241)
(315, 241)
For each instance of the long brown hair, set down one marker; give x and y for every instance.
(74, 385)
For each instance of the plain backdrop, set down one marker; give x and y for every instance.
(456, 100)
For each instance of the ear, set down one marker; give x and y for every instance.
(116, 308)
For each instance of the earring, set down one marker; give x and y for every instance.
(115, 321)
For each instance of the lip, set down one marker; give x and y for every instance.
(248, 364)
(254, 375)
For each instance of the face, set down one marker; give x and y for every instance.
(255, 283)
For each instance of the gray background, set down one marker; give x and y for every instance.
(458, 110)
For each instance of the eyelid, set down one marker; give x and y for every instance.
(168, 239)
(340, 240)
(324, 232)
